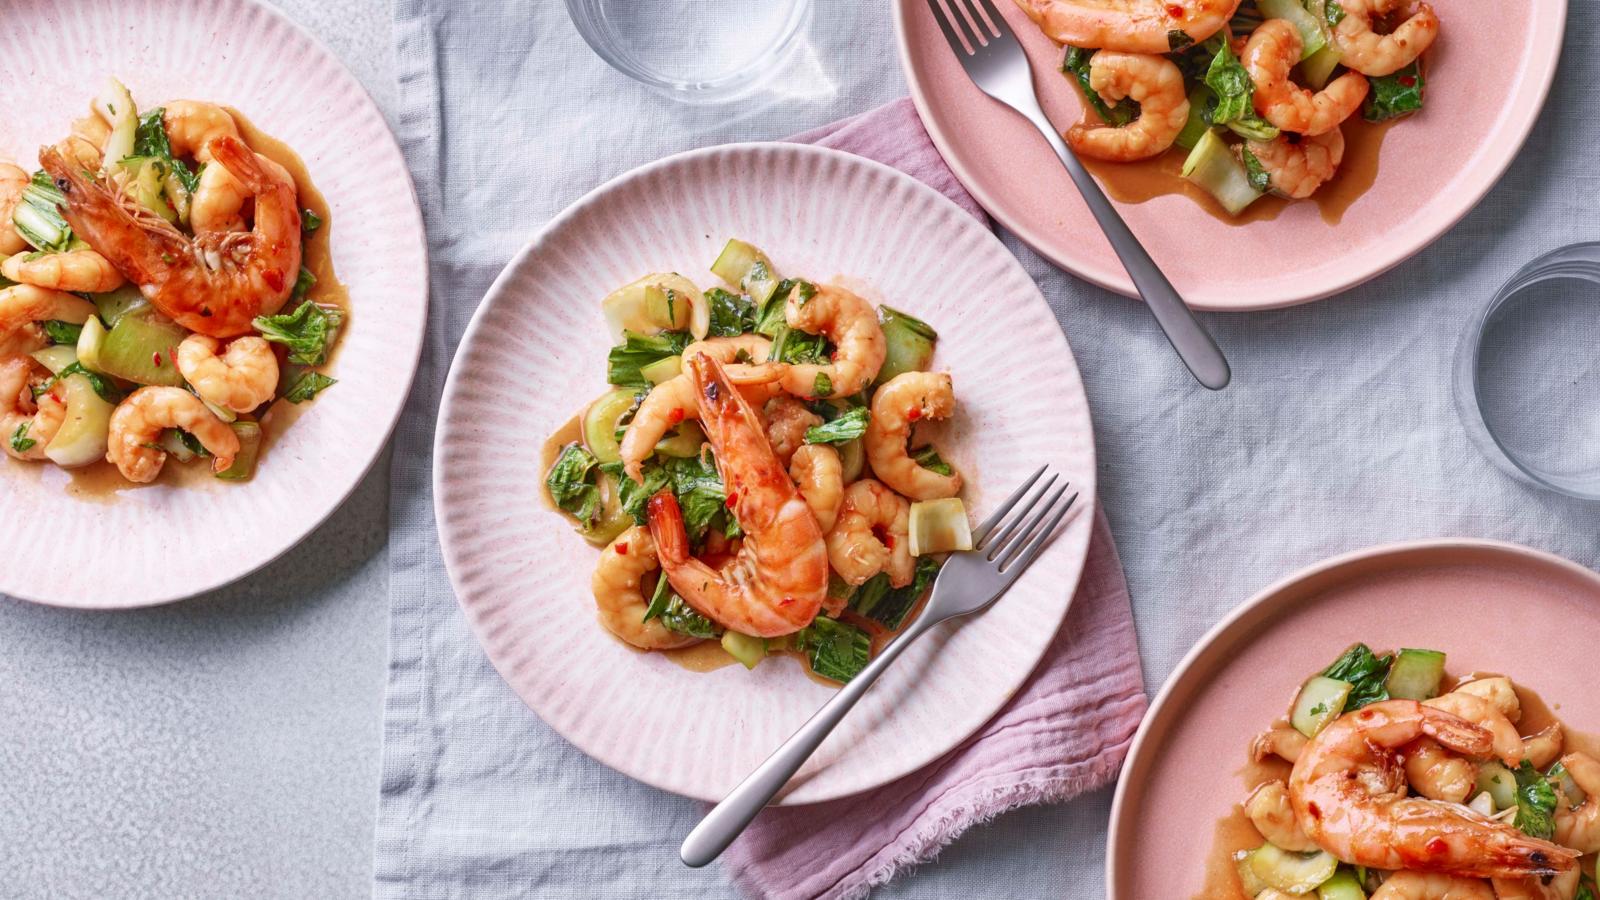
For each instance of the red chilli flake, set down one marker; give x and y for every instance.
(156, 358)
(622, 548)
(733, 497)
(675, 416)
(1175, 11)
(1408, 80)
(1436, 846)
(914, 414)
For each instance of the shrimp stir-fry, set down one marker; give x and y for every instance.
(152, 284)
(1421, 799)
(1156, 85)
(771, 461)
(1135, 26)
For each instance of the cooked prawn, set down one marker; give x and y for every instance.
(1543, 747)
(776, 583)
(1438, 774)
(22, 306)
(219, 198)
(1482, 713)
(1280, 741)
(1274, 49)
(13, 181)
(1561, 887)
(620, 597)
(1350, 796)
(137, 423)
(859, 348)
(1370, 53)
(872, 534)
(80, 271)
(787, 422)
(24, 417)
(1432, 886)
(1269, 811)
(214, 283)
(1498, 690)
(817, 472)
(1579, 828)
(1156, 83)
(242, 378)
(908, 398)
(1298, 165)
(1135, 26)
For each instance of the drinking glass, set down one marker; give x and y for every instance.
(1527, 373)
(698, 51)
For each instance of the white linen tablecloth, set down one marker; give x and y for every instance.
(1338, 432)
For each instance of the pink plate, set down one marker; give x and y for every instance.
(1487, 80)
(1489, 606)
(145, 545)
(534, 355)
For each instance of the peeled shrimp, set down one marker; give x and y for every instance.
(241, 379)
(1135, 26)
(1274, 49)
(1498, 690)
(1561, 887)
(1298, 165)
(24, 305)
(776, 583)
(24, 417)
(1371, 53)
(852, 324)
(620, 596)
(787, 422)
(137, 423)
(1438, 774)
(214, 283)
(674, 400)
(1269, 811)
(872, 534)
(908, 398)
(1480, 712)
(816, 470)
(12, 183)
(1281, 741)
(1580, 828)
(1543, 747)
(1156, 84)
(1350, 797)
(80, 271)
(1432, 886)
(219, 198)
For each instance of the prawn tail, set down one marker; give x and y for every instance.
(1456, 733)
(667, 529)
(241, 163)
(1519, 856)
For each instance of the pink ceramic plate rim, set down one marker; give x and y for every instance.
(539, 331)
(289, 82)
(1100, 267)
(1248, 615)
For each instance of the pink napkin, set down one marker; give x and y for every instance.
(1065, 732)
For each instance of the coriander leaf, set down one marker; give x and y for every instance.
(1364, 672)
(1177, 39)
(837, 650)
(889, 606)
(929, 459)
(309, 221)
(639, 350)
(308, 332)
(679, 616)
(731, 314)
(1396, 95)
(1076, 64)
(1231, 83)
(302, 284)
(798, 348)
(1255, 172)
(150, 139)
(62, 332)
(845, 428)
(822, 385)
(773, 317)
(1536, 803)
(633, 496)
(571, 485)
(308, 385)
(700, 492)
(20, 442)
(658, 600)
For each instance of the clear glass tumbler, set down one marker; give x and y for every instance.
(698, 51)
(1527, 373)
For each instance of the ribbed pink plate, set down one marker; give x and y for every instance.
(160, 543)
(535, 354)
(1490, 606)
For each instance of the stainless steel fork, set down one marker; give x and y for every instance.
(996, 63)
(1002, 547)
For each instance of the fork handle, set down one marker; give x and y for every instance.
(730, 817)
(1189, 338)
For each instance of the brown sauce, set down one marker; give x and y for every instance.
(550, 451)
(1138, 182)
(1234, 831)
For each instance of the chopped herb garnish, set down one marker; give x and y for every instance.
(1235, 93)
(1334, 12)
(836, 650)
(929, 459)
(302, 285)
(1365, 672)
(1396, 95)
(731, 314)
(1256, 172)
(1177, 39)
(20, 442)
(309, 221)
(308, 331)
(308, 385)
(150, 139)
(62, 332)
(845, 428)
(633, 496)
(822, 385)
(1536, 803)
(889, 606)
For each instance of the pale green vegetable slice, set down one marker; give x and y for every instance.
(81, 439)
(1297, 873)
(1320, 701)
(939, 526)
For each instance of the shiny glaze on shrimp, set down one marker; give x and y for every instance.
(1438, 774)
(904, 400)
(219, 198)
(816, 470)
(214, 283)
(241, 378)
(22, 306)
(23, 416)
(1370, 53)
(1561, 887)
(1349, 794)
(81, 271)
(1156, 84)
(137, 423)
(788, 419)
(775, 584)
(1297, 166)
(1503, 735)
(859, 347)
(1269, 810)
(621, 598)
(1272, 51)
(1579, 828)
(1281, 741)
(872, 534)
(13, 181)
(1432, 886)
(1135, 26)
